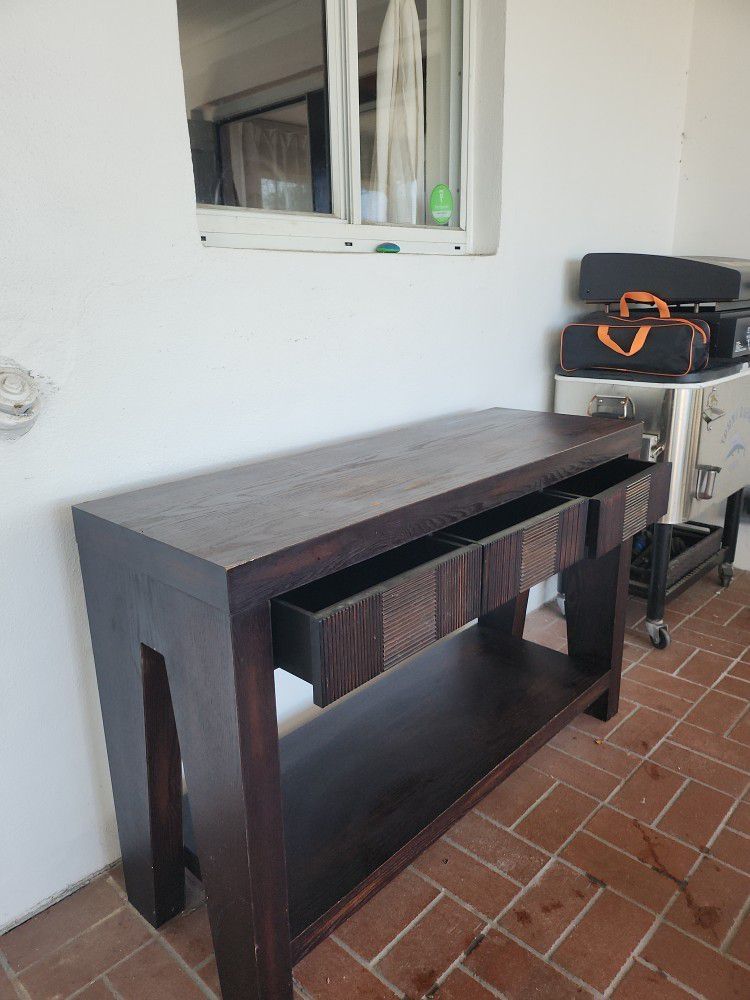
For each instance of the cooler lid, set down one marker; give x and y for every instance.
(717, 369)
(605, 277)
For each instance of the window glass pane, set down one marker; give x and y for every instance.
(256, 91)
(410, 64)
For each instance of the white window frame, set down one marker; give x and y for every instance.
(343, 231)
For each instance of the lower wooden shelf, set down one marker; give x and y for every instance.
(374, 779)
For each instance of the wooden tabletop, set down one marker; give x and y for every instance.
(309, 509)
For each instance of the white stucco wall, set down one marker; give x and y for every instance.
(168, 358)
(714, 202)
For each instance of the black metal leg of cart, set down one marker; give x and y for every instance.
(729, 539)
(657, 587)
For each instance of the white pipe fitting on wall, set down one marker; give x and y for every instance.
(20, 401)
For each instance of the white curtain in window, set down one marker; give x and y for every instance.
(270, 164)
(398, 164)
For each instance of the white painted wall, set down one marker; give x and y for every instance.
(714, 199)
(169, 358)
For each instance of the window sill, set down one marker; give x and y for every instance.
(247, 229)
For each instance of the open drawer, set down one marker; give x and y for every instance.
(523, 543)
(625, 496)
(341, 631)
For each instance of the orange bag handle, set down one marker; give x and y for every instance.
(638, 341)
(648, 299)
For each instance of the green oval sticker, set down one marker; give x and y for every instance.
(441, 204)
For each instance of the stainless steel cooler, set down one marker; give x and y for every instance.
(703, 428)
(700, 423)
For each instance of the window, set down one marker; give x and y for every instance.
(330, 124)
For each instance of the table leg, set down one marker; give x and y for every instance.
(732, 519)
(142, 746)
(596, 600)
(510, 618)
(221, 678)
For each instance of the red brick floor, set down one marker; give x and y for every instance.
(615, 863)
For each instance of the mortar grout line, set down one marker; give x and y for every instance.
(555, 858)
(496, 926)
(678, 671)
(532, 807)
(706, 944)
(97, 923)
(410, 926)
(160, 939)
(630, 961)
(121, 961)
(699, 753)
(663, 673)
(367, 966)
(664, 833)
(110, 987)
(452, 895)
(482, 861)
(736, 723)
(669, 977)
(66, 893)
(492, 990)
(670, 902)
(301, 990)
(581, 760)
(663, 812)
(570, 976)
(457, 961)
(581, 827)
(731, 934)
(662, 917)
(15, 982)
(567, 931)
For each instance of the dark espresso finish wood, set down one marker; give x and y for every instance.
(524, 542)
(625, 497)
(596, 618)
(164, 782)
(235, 536)
(344, 630)
(294, 835)
(416, 742)
(142, 745)
(220, 678)
(509, 619)
(425, 741)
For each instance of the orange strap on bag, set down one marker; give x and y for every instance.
(647, 299)
(638, 341)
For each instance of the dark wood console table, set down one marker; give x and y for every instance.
(197, 589)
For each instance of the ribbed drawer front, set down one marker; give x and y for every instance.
(351, 641)
(625, 496)
(548, 536)
(539, 552)
(341, 647)
(409, 616)
(635, 518)
(501, 571)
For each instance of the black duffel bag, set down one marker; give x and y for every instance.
(647, 344)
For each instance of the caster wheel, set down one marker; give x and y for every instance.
(560, 602)
(726, 574)
(662, 639)
(658, 634)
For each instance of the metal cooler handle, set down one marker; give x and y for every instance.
(706, 483)
(621, 407)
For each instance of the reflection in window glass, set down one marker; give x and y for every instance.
(257, 102)
(410, 61)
